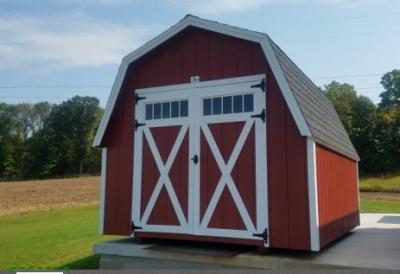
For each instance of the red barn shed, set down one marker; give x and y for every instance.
(212, 133)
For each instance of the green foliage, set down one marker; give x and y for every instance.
(374, 130)
(358, 115)
(390, 98)
(50, 239)
(43, 140)
(343, 97)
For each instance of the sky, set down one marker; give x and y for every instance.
(53, 50)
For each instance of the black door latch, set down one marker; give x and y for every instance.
(261, 115)
(195, 159)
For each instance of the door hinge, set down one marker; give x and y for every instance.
(261, 115)
(138, 98)
(137, 124)
(263, 235)
(261, 85)
(133, 227)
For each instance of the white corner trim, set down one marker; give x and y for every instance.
(102, 189)
(284, 86)
(253, 36)
(358, 188)
(313, 194)
(110, 104)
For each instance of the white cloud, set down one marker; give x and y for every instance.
(67, 41)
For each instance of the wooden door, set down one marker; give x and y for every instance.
(232, 149)
(161, 163)
(200, 159)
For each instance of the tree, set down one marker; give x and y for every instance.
(7, 137)
(362, 134)
(343, 97)
(70, 130)
(391, 83)
(358, 115)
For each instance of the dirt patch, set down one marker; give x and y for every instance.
(25, 196)
(380, 196)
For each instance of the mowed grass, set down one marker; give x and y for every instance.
(60, 238)
(380, 194)
(379, 206)
(388, 183)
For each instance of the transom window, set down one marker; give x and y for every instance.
(228, 104)
(166, 110)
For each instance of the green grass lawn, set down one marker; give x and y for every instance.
(61, 238)
(372, 206)
(389, 183)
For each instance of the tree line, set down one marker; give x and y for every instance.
(373, 129)
(49, 140)
(54, 140)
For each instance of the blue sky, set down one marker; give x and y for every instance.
(53, 50)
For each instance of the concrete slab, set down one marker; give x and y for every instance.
(375, 244)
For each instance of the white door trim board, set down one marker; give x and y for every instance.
(102, 189)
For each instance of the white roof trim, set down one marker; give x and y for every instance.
(190, 20)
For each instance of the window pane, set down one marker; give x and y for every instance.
(175, 109)
(206, 106)
(238, 103)
(149, 111)
(217, 105)
(184, 108)
(166, 109)
(227, 104)
(157, 111)
(248, 103)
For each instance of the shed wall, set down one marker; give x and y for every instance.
(338, 205)
(211, 56)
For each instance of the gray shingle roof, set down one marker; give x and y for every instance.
(319, 113)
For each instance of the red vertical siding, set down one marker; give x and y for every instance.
(337, 194)
(212, 56)
(287, 176)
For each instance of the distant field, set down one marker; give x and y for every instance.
(389, 183)
(27, 196)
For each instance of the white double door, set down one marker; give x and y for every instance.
(200, 159)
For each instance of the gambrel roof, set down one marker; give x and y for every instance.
(313, 113)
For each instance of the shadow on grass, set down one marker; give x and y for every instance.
(89, 262)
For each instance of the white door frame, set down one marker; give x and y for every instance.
(194, 93)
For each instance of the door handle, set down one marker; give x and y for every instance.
(195, 159)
